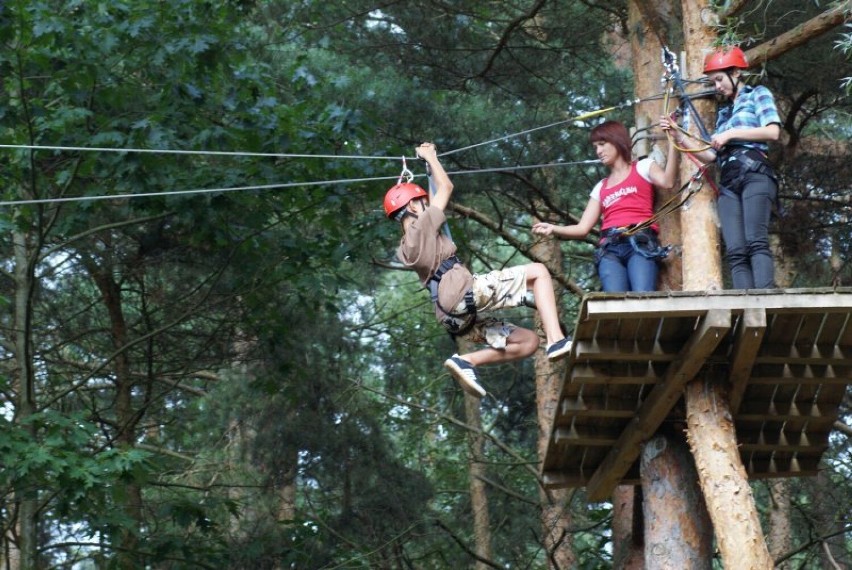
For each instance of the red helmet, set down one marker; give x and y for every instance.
(400, 195)
(725, 58)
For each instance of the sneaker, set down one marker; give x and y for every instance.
(465, 373)
(559, 349)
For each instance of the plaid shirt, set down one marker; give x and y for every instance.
(753, 107)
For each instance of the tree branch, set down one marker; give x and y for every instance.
(801, 34)
(507, 33)
(734, 8)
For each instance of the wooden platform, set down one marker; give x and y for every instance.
(786, 353)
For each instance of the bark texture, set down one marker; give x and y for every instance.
(678, 530)
(651, 21)
(478, 492)
(779, 536)
(702, 262)
(627, 532)
(555, 512)
(723, 478)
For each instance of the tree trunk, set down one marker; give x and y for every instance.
(678, 531)
(649, 21)
(628, 535)
(25, 556)
(780, 531)
(702, 263)
(477, 470)
(723, 478)
(127, 418)
(555, 504)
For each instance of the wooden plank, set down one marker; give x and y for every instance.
(559, 480)
(616, 373)
(612, 350)
(809, 329)
(772, 467)
(614, 406)
(748, 336)
(582, 435)
(697, 304)
(701, 344)
(798, 374)
(783, 328)
(790, 448)
(784, 354)
(833, 329)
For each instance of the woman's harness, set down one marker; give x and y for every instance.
(457, 324)
(640, 240)
(738, 162)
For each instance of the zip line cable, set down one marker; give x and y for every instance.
(274, 186)
(582, 116)
(193, 152)
(132, 150)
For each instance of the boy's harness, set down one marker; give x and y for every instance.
(456, 323)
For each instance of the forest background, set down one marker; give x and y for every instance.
(211, 359)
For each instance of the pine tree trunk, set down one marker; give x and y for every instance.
(627, 528)
(702, 262)
(25, 555)
(477, 470)
(555, 504)
(780, 532)
(678, 532)
(126, 416)
(648, 21)
(723, 478)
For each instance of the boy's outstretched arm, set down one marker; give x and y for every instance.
(443, 184)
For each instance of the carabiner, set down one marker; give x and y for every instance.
(669, 62)
(407, 174)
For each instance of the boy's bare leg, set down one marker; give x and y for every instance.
(521, 343)
(539, 280)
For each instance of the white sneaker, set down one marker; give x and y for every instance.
(465, 373)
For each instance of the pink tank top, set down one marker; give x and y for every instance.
(630, 202)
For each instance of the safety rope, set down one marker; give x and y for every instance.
(580, 117)
(672, 75)
(131, 150)
(275, 186)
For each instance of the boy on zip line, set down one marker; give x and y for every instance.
(464, 301)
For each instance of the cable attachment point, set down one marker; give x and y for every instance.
(406, 173)
(669, 63)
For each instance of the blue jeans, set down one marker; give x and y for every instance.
(745, 219)
(621, 268)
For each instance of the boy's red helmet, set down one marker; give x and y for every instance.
(725, 58)
(400, 195)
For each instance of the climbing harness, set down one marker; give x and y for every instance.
(643, 241)
(457, 324)
(641, 234)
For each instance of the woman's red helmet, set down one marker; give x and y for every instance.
(725, 58)
(400, 195)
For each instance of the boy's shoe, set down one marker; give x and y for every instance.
(465, 373)
(559, 349)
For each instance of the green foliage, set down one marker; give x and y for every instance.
(49, 450)
(217, 351)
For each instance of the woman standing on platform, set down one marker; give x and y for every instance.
(626, 261)
(746, 122)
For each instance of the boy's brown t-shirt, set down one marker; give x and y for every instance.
(424, 247)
